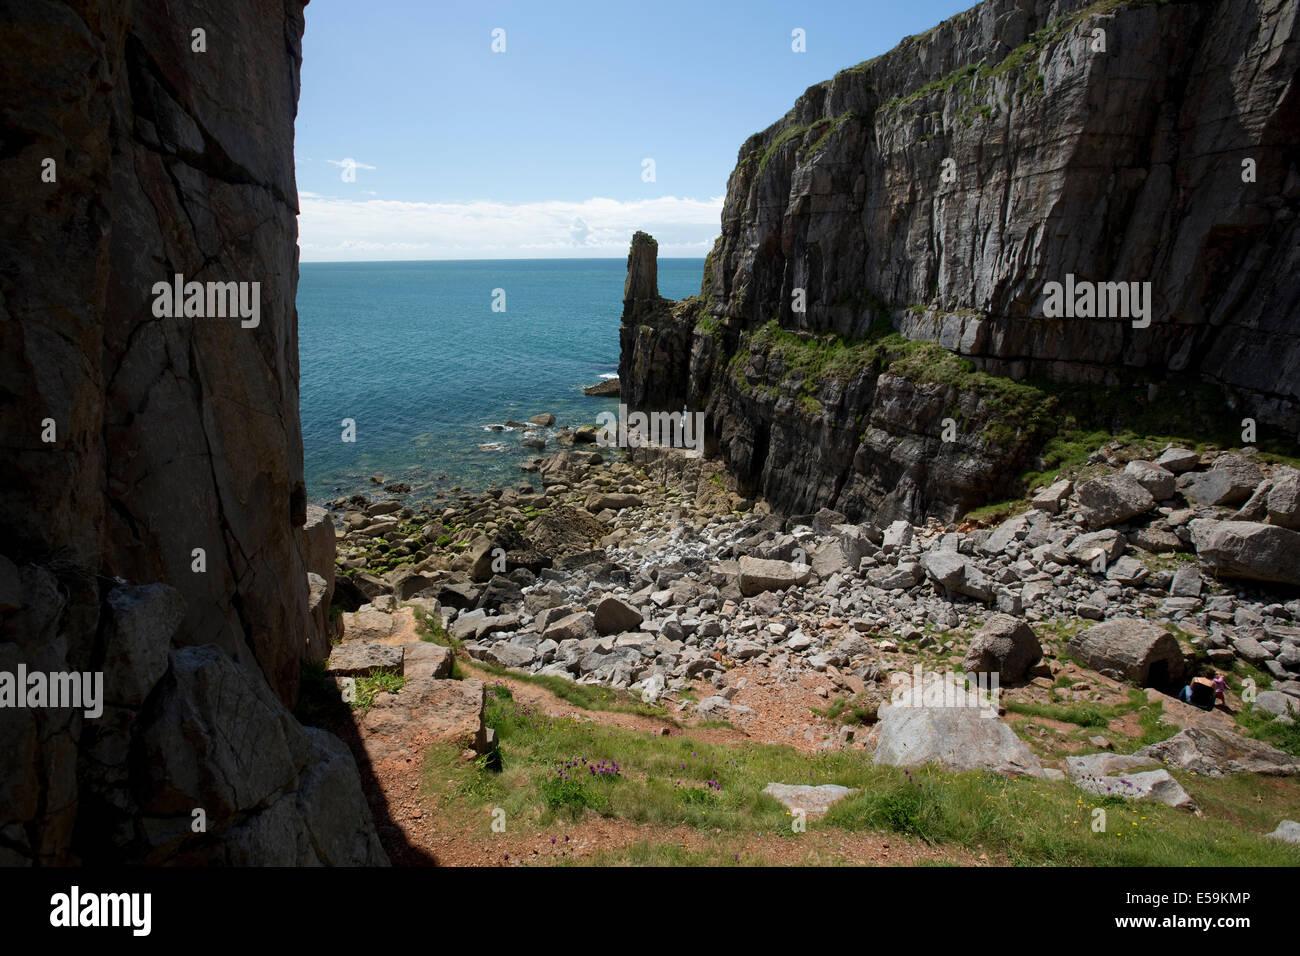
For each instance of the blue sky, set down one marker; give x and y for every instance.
(416, 141)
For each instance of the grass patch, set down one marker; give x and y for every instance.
(429, 627)
(824, 128)
(1085, 715)
(586, 696)
(1049, 823)
(996, 513)
(1264, 726)
(716, 791)
(368, 688)
(1153, 728)
(858, 709)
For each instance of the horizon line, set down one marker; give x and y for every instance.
(621, 258)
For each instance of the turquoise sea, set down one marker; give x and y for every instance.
(414, 352)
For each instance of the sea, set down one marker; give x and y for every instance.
(428, 359)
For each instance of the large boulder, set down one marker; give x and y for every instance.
(1213, 753)
(214, 736)
(138, 640)
(509, 655)
(319, 544)
(1006, 646)
(899, 534)
(1051, 498)
(363, 658)
(319, 547)
(1084, 766)
(472, 625)
(1004, 534)
(1113, 498)
(578, 626)
(426, 659)
(1287, 830)
(1277, 703)
(806, 797)
(1130, 649)
(407, 583)
(484, 559)
(1284, 500)
(1230, 481)
(957, 575)
(1155, 785)
(323, 629)
(1247, 549)
(828, 559)
(965, 736)
(563, 530)
(1086, 548)
(758, 575)
(1178, 460)
(367, 624)
(597, 503)
(1153, 478)
(402, 725)
(614, 616)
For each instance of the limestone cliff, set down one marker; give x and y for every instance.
(931, 194)
(151, 503)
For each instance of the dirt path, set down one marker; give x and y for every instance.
(433, 834)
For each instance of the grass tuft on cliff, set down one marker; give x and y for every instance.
(1061, 423)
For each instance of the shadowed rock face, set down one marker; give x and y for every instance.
(1115, 166)
(172, 434)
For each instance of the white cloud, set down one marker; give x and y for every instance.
(347, 229)
(348, 163)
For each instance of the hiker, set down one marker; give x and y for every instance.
(1220, 689)
(1202, 693)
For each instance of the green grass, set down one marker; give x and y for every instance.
(1153, 729)
(997, 512)
(586, 696)
(370, 687)
(1264, 726)
(796, 133)
(962, 78)
(787, 135)
(1014, 412)
(716, 790)
(1085, 715)
(709, 325)
(1049, 823)
(858, 709)
(429, 627)
(968, 81)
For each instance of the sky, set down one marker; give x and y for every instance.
(417, 140)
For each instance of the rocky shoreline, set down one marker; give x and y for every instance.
(648, 571)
